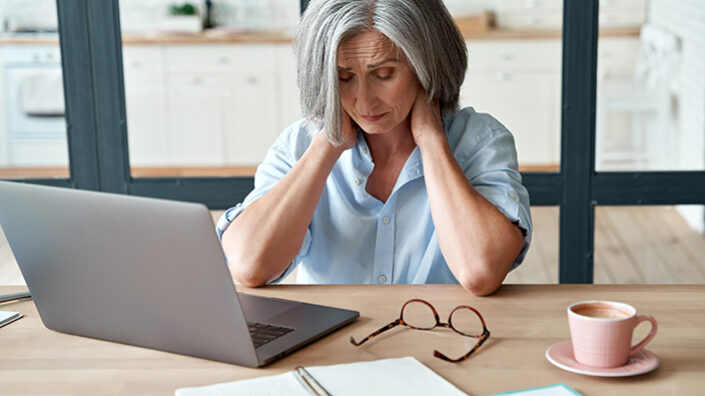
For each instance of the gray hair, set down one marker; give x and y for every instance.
(422, 29)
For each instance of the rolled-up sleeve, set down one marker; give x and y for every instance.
(278, 161)
(489, 161)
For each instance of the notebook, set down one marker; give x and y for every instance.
(7, 317)
(405, 376)
(551, 390)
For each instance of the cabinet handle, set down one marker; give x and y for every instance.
(223, 60)
(530, 3)
(531, 20)
(252, 80)
(502, 76)
(136, 64)
(506, 56)
(195, 80)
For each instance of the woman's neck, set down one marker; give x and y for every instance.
(399, 142)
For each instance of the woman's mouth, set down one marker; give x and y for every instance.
(373, 118)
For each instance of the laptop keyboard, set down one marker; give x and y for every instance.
(262, 333)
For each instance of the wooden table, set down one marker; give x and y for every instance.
(524, 321)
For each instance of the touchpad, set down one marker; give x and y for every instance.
(259, 309)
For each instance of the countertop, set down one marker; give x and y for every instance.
(219, 37)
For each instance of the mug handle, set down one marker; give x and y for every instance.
(640, 318)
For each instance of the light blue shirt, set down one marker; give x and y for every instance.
(356, 238)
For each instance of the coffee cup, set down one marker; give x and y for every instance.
(601, 332)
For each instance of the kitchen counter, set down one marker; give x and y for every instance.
(219, 37)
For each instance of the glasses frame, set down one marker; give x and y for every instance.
(400, 321)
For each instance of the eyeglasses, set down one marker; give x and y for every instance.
(421, 315)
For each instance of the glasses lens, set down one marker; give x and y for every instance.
(419, 316)
(466, 322)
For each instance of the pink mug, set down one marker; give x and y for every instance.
(601, 332)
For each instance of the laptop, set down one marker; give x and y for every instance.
(147, 272)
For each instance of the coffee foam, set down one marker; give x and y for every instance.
(601, 310)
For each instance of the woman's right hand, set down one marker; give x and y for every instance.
(349, 131)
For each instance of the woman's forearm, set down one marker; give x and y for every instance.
(263, 240)
(478, 242)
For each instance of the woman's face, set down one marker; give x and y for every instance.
(377, 87)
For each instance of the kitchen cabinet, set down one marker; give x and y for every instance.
(250, 117)
(222, 104)
(518, 82)
(146, 107)
(196, 126)
(28, 139)
(288, 100)
(525, 103)
(548, 14)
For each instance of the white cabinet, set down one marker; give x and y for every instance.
(288, 101)
(145, 102)
(31, 137)
(250, 117)
(222, 104)
(527, 104)
(548, 14)
(196, 127)
(518, 82)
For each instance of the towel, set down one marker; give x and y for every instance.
(41, 92)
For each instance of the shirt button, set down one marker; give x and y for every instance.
(512, 196)
(385, 220)
(357, 181)
(364, 150)
(382, 279)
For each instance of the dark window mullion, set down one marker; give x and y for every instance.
(77, 65)
(109, 93)
(649, 188)
(579, 78)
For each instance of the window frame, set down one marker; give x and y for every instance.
(91, 49)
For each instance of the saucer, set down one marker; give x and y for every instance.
(561, 355)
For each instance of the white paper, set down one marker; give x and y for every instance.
(7, 317)
(381, 377)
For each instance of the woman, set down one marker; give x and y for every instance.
(385, 180)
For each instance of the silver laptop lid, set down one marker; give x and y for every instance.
(139, 271)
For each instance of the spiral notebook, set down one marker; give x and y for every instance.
(405, 376)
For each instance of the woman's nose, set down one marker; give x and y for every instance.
(366, 98)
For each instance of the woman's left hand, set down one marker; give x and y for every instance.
(425, 118)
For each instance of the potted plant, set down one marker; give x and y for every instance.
(182, 18)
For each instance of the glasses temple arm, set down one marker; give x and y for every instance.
(376, 333)
(485, 335)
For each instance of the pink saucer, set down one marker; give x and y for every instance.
(561, 355)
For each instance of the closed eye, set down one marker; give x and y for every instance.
(344, 75)
(384, 73)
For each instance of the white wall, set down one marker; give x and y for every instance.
(139, 15)
(686, 19)
(39, 14)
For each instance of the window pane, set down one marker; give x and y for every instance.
(541, 262)
(514, 71)
(649, 244)
(650, 95)
(207, 102)
(32, 124)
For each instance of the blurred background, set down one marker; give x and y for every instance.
(210, 84)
